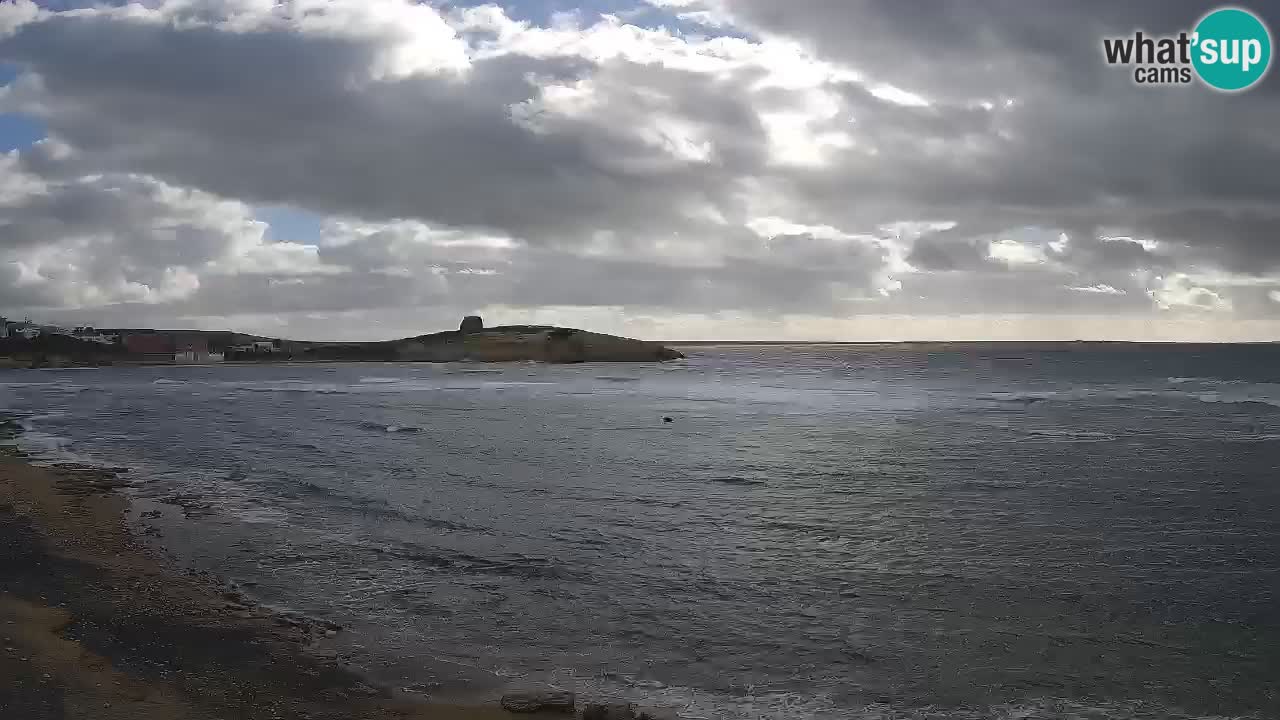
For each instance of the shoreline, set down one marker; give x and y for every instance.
(94, 624)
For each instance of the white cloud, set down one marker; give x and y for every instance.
(14, 14)
(1014, 252)
(1178, 291)
(1100, 288)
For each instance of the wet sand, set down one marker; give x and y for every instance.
(96, 624)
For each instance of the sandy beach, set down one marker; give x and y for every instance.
(94, 624)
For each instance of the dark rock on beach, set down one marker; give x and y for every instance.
(539, 701)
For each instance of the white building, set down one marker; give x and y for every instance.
(23, 328)
(88, 334)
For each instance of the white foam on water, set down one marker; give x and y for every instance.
(46, 448)
(260, 516)
(1243, 398)
(762, 704)
(44, 443)
(1070, 436)
(1237, 394)
(695, 704)
(1026, 397)
(290, 386)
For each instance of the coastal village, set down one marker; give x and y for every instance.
(35, 341)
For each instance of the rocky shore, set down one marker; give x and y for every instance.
(94, 623)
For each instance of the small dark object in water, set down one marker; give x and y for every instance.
(667, 419)
(737, 481)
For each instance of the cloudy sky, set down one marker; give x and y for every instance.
(671, 169)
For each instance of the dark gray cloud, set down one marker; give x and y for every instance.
(977, 49)
(957, 248)
(281, 117)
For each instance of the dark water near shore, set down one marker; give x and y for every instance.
(822, 532)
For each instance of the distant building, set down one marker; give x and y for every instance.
(4, 327)
(258, 350)
(86, 333)
(24, 329)
(166, 347)
(191, 350)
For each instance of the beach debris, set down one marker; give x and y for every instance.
(539, 701)
(364, 690)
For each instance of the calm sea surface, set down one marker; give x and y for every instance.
(821, 532)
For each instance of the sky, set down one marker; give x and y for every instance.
(829, 170)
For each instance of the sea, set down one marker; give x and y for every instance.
(915, 532)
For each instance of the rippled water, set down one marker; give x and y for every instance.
(821, 532)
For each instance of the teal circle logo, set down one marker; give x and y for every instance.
(1231, 49)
